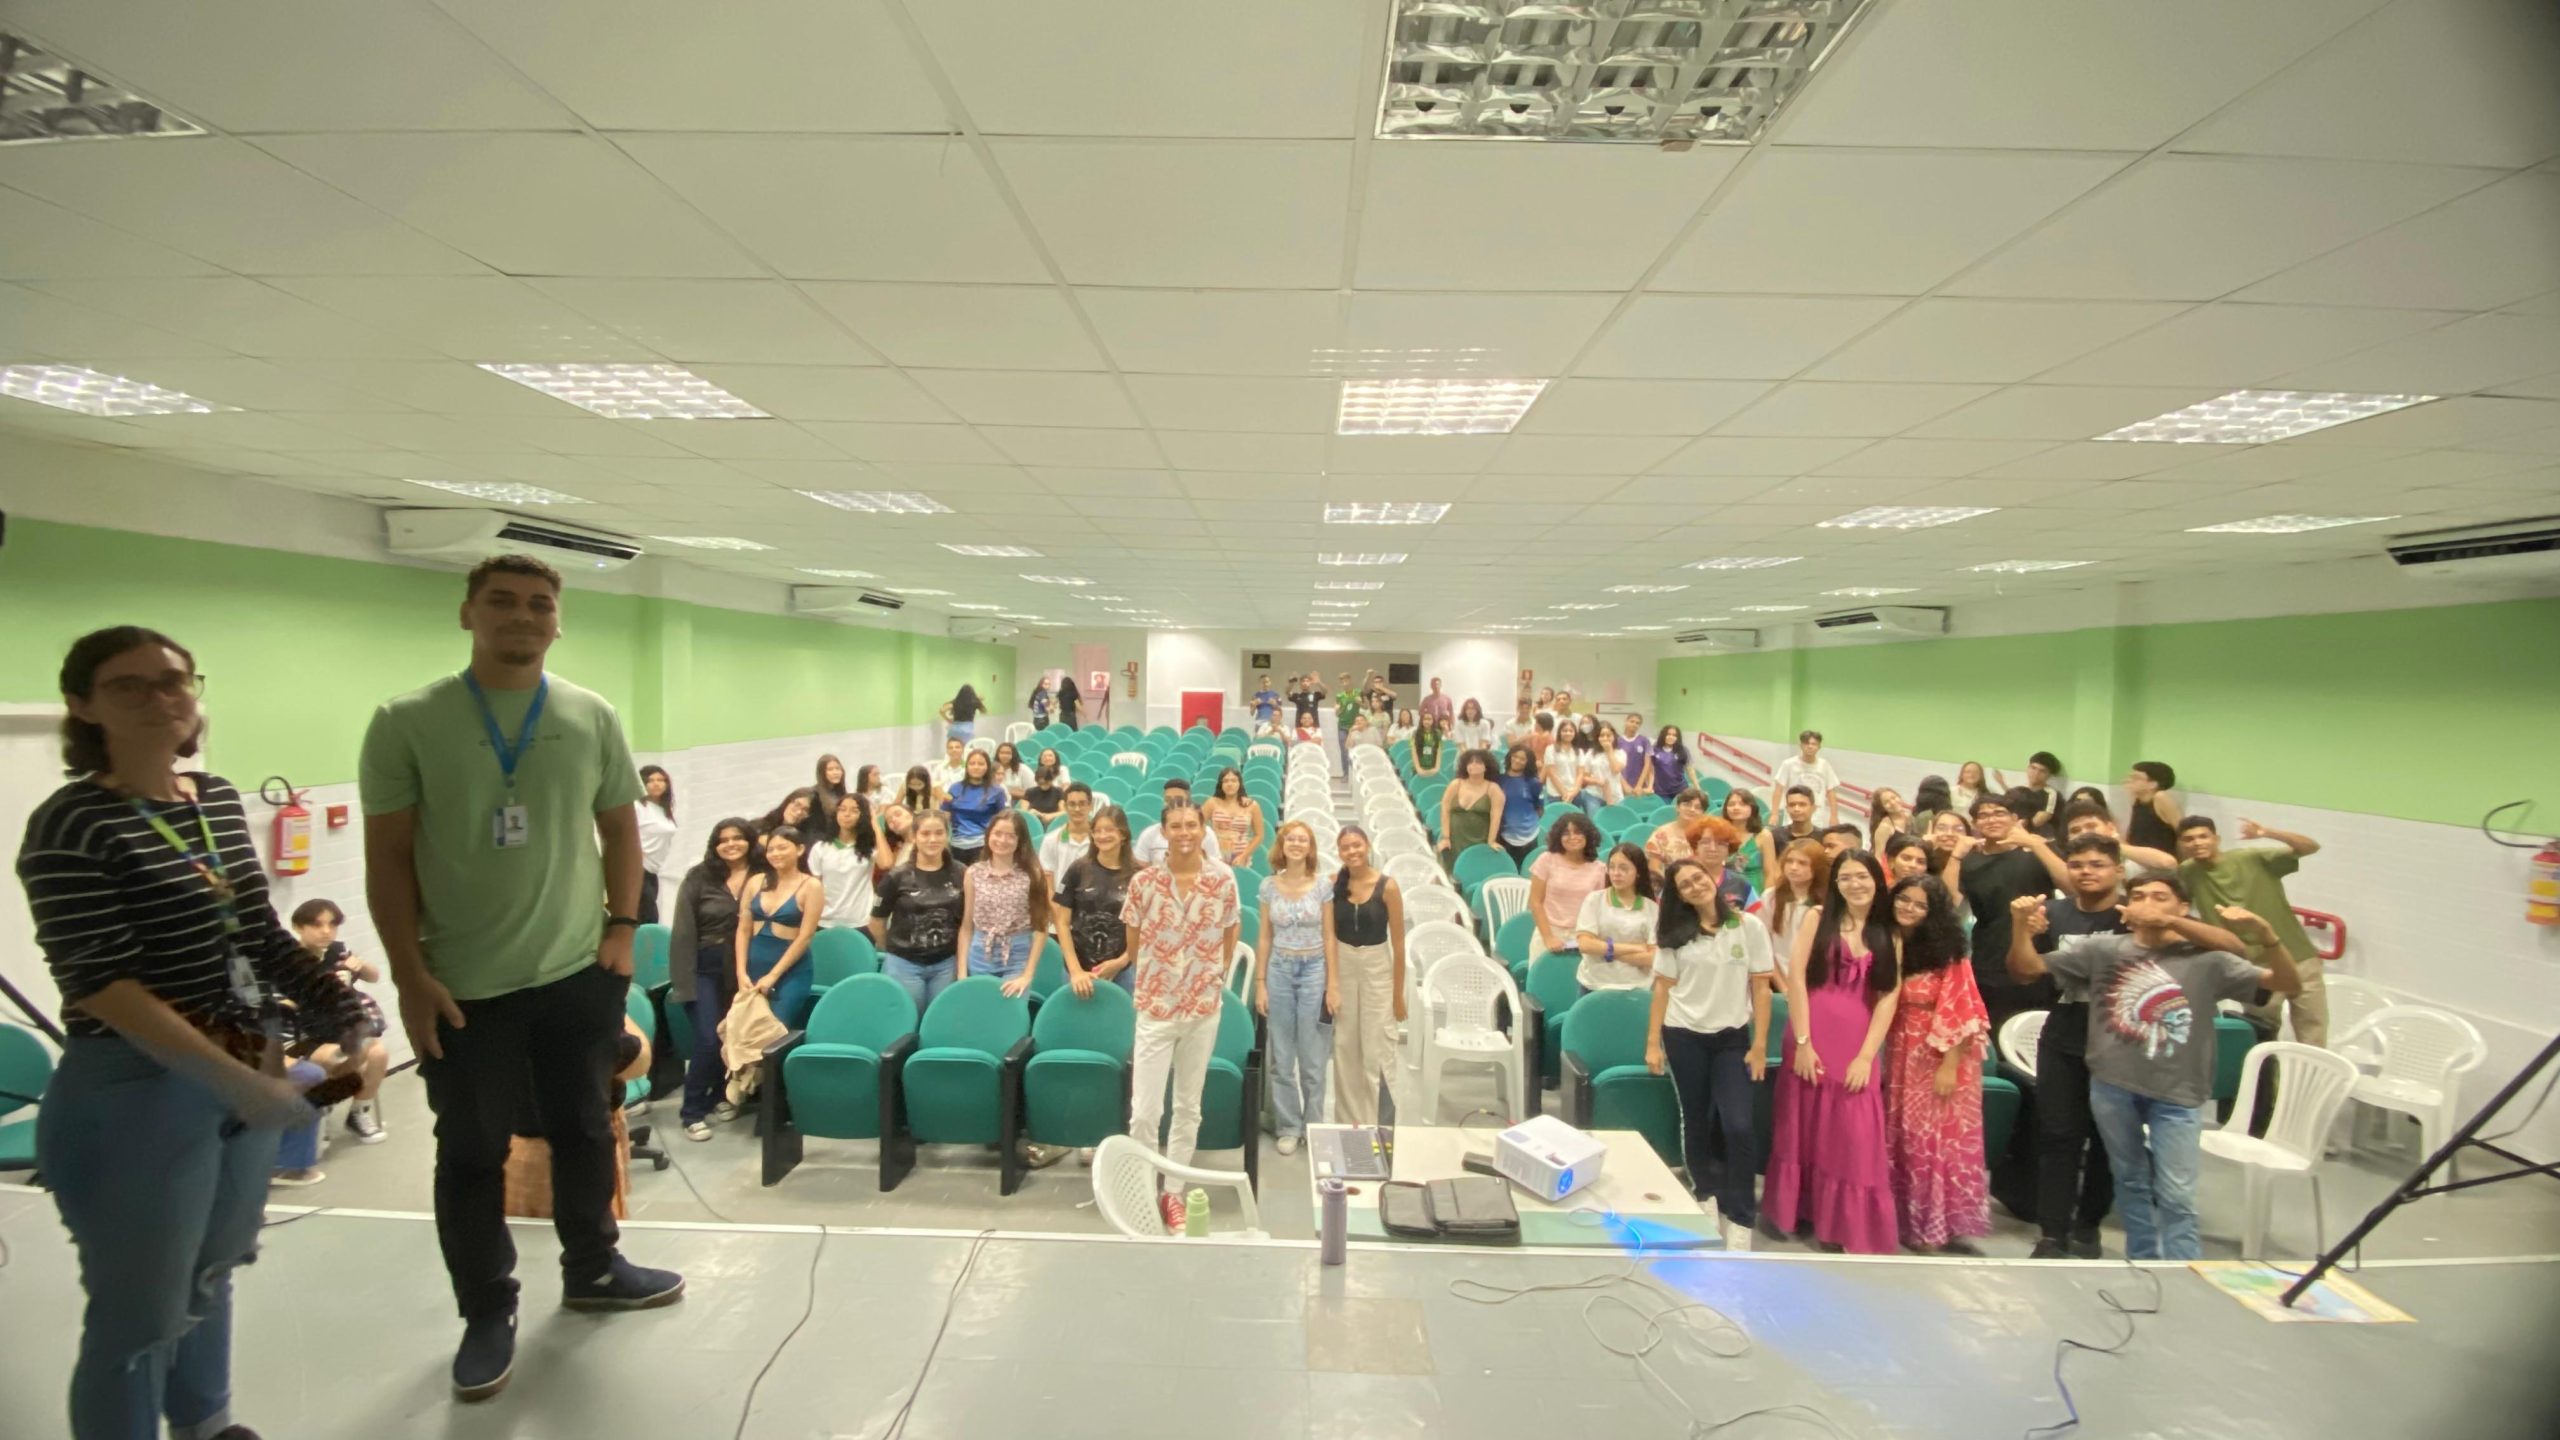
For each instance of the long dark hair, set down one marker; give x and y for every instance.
(84, 746)
(1933, 795)
(866, 831)
(1218, 787)
(1938, 940)
(716, 869)
(969, 695)
(667, 806)
(1752, 826)
(810, 824)
(1342, 872)
(1635, 857)
(1877, 932)
(917, 791)
(1590, 835)
(1119, 819)
(1047, 771)
(1520, 753)
(1680, 921)
(1026, 859)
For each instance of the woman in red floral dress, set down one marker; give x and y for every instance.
(1933, 1078)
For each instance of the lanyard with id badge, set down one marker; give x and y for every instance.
(509, 829)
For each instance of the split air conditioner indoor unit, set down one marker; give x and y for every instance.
(1886, 620)
(1720, 639)
(467, 537)
(841, 600)
(2516, 550)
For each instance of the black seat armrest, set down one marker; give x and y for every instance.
(897, 1148)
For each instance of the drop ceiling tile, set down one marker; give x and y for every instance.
(2492, 247)
(1211, 332)
(1933, 457)
(1998, 494)
(2060, 412)
(906, 444)
(741, 439)
(1637, 407)
(245, 430)
(525, 204)
(308, 386)
(1237, 213)
(828, 392)
(2243, 465)
(1728, 337)
(415, 431)
(1986, 340)
(1492, 335)
(1159, 67)
(444, 387)
(1843, 494)
(2541, 387)
(964, 327)
(1037, 445)
(243, 315)
(1022, 397)
(1230, 402)
(1410, 454)
(936, 480)
(1584, 454)
(1815, 407)
(2470, 354)
(2458, 421)
(2232, 346)
(1243, 451)
(573, 432)
(1415, 230)
(1871, 222)
(845, 207)
(700, 320)
(2021, 74)
(37, 326)
(43, 241)
(2093, 460)
(2193, 227)
(777, 67)
(1721, 455)
(482, 319)
(1691, 492)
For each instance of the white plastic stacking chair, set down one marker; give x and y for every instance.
(1501, 898)
(1414, 873)
(1240, 972)
(1427, 943)
(1127, 1177)
(1018, 731)
(1395, 840)
(1260, 748)
(2421, 1055)
(1428, 904)
(2018, 1036)
(2352, 1002)
(1460, 996)
(2311, 1086)
(1131, 760)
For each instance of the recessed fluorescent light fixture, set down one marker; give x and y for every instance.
(2026, 567)
(1742, 562)
(1671, 75)
(1337, 604)
(1397, 512)
(1869, 592)
(1351, 584)
(1644, 627)
(972, 605)
(2254, 417)
(1000, 552)
(906, 590)
(501, 492)
(1701, 619)
(1502, 627)
(880, 502)
(632, 392)
(45, 97)
(710, 542)
(94, 392)
(1057, 579)
(1434, 407)
(840, 574)
(1904, 517)
(1026, 619)
(2285, 524)
(1641, 589)
(1338, 557)
(1105, 599)
(1770, 609)
(1591, 605)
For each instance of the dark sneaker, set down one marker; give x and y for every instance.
(486, 1357)
(2084, 1244)
(2049, 1248)
(236, 1432)
(625, 1286)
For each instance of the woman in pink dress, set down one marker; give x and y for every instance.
(1933, 1078)
(1827, 1165)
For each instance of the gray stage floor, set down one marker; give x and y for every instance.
(345, 1329)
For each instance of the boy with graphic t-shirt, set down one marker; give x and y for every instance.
(2151, 1051)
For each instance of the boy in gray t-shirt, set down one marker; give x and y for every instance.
(2151, 1051)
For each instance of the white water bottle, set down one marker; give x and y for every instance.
(1334, 1226)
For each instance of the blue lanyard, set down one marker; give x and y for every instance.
(509, 756)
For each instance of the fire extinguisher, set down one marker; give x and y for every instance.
(2542, 889)
(291, 852)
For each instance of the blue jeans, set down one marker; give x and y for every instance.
(1301, 1040)
(2155, 1178)
(1591, 802)
(1011, 956)
(921, 982)
(163, 1192)
(715, 987)
(963, 731)
(299, 1147)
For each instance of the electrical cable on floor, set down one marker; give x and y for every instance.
(687, 1178)
(2063, 1347)
(808, 1308)
(950, 1302)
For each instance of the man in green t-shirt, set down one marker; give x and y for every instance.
(2253, 879)
(502, 864)
(1346, 708)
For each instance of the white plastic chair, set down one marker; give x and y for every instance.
(2018, 1036)
(1131, 759)
(1261, 748)
(1460, 996)
(1427, 942)
(1240, 973)
(1019, 731)
(1429, 904)
(983, 744)
(2422, 1055)
(1501, 898)
(1414, 873)
(1395, 840)
(2353, 1001)
(2311, 1086)
(1127, 1177)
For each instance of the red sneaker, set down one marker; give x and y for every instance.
(1170, 1205)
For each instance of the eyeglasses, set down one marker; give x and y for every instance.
(134, 690)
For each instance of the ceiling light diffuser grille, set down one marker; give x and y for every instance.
(1434, 407)
(95, 392)
(632, 392)
(1647, 72)
(2256, 417)
(45, 97)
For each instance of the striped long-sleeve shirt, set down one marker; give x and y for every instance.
(113, 900)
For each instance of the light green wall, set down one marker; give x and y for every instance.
(2428, 714)
(298, 648)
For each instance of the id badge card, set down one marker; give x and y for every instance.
(508, 829)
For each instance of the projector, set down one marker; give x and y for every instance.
(1547, 1157)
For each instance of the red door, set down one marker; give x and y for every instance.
(1204, 707)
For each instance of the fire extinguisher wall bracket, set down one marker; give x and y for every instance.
(290, 851)
(2542, 874)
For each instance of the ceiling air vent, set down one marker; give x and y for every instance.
(1886, 620)
(2524, 549)
(1720, 639)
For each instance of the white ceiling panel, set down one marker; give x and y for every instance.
(2541, 387)
(1243, 452)
(846, 207)
(1409, 455)
(446, 387)
(741, 439)
(573, 432)
(1214, 68)
(230, 204)
(1719, 455)
(964, 327)
(906, 444)
(525, 204)
(1030, 397)
(2030, 74)
(708, 320)
(484, 319)
(243, 315)
(1231, 402)
(289, 387)
(37, 326)
(1226, 213)
(2485, 66)
(414, 430)
(1729, 337)
(1584, 454)
(2059, 412)
(2470, 354)
(2092, 460)
(2459, 421)
(1638, 407)
(43, 241)
(1426, 224)
(1214, 332)
(1872, 222)
(2230, 346)
(2492, 247)
(1933, 457)
(775, 66)
(828, 392)
(2191, 227)
(1817, 407)
(1043, 445)
(1492, 335)
(1987, 340)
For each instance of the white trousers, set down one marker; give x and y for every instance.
(1364, 1044)
(1182, 1049)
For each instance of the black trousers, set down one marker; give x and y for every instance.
(1711, 1076)
(648, 898)
(552, 1044)
(2074, 1188)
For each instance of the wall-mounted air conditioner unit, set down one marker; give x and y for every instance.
(1886, 620)
(1720, 639)
(964, 628)
(467, 537)
(2515, 550)
(841, 600)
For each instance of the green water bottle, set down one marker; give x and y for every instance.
(1195, 1213)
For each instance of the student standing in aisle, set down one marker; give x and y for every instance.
(961, 711)
(1182, 917)
(1364, 950)
(1346, 709)
(1809, 769)
(1827, 1158)
(1933, 1059)
(702, 963)
(1070, 700)
(502, 865)
(843, 864)
(1266, 704)
(1709, 1030)
(2253, 879)
(657, 817)
(2001, 861)
(2152, 819)
(1294, 985)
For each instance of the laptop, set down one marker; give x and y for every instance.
(1351, 1152)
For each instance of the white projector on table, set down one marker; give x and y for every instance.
(1548, 1158)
